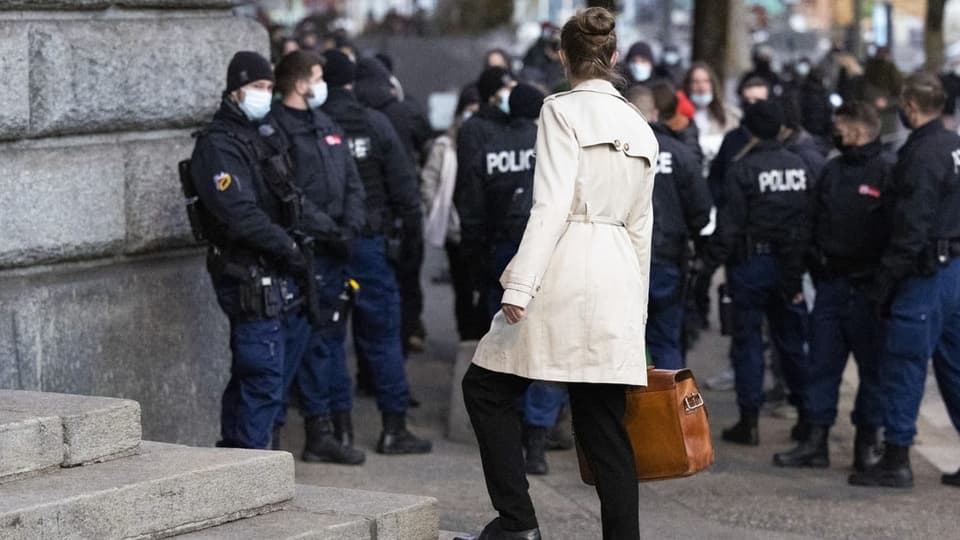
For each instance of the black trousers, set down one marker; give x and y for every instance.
(469, 306)
(597, 410)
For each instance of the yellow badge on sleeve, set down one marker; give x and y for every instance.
(223, 181)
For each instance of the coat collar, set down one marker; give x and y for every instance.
(598, 86)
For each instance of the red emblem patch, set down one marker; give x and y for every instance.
(869, 191)
(333, 140)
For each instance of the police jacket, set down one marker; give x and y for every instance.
(851, 213)
(246, 216)
(324, 170)
(680, 197)
(733, 143)
(768, 210)
(494, 189)
(388, 176)
(926, 201)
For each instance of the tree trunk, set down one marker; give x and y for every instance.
(933, 36)
(710, 23)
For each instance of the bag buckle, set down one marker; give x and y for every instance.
(692, 403)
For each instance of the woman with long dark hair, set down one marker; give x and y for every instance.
(575, 301)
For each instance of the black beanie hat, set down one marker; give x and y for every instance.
(339, 69)
(526, 101)
(491, 80)
(640, 49)
(245, 68)
(764, 119)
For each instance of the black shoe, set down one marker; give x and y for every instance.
(323, 447)
(745, 431)
(493, 531)
(800, 431)
(535, 444)
(811, 452)
(892, 471)
(395, 439)
(867, 449)
(343, 428)
(951, 479)
(275, 438)
(413, 402)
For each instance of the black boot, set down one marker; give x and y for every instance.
(323, 447)
(535, 444)
(951, 479)
(867, 449)
(745, 431)
(493, 531)
(275, 438)
(892, 471)
(800, 431)
(812, 452)
(395, 439)
(343, 428)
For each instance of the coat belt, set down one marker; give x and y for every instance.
(599, 220)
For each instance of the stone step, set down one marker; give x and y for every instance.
(39, 430)
(323, 513)
(163, 491)
(450, 535)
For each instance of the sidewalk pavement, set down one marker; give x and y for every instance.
(743, 496)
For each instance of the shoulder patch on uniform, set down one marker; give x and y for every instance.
(333, 140)
(223, 181)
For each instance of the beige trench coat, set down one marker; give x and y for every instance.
(583, 267)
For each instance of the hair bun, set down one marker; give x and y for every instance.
(596, 21)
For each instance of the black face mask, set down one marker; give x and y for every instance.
(902, 115)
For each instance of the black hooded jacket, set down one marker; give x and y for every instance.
(374, 89)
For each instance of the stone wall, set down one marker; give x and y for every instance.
(101, 288)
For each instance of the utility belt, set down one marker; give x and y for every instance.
(261, 292)
(937, 254)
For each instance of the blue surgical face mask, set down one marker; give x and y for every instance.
(702, 100)
(640, 71)
(256, 103)
(803, 69)
(505, 103)
(319, 95)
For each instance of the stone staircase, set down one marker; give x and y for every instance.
(74, 467)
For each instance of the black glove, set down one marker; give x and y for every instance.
(881, 294)
(295, 262)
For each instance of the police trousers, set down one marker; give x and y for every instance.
(597, 410)
(754, 288)
(376, 332)
(264, 353)
(843, 321)
(665, 316)
(924, 323)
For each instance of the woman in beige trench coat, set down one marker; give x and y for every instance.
(575, 304)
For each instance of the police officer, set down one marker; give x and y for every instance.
(328, 177)
(918, 284)
(683, 203)
(850, 231)
(763, 236)
(494, 194)
(253, 257)
(390, 185)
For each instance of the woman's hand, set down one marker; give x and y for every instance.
(514, 314)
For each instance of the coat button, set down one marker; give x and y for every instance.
(617, 144)
(626, 147)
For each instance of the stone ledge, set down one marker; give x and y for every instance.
(167, 490)
(393, 516)
(29, 444)
(93, 429)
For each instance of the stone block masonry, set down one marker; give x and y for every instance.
(102, 290)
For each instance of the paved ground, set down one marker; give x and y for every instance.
(742, 497)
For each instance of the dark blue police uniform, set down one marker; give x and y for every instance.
(252, 261)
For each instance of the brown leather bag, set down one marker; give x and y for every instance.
(667, 425)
